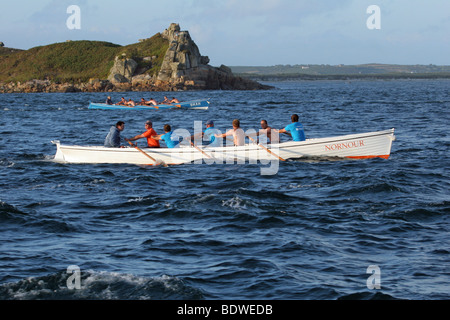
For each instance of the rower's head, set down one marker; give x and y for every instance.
(120, 125)
(209, 123)
(167, 128)
(264, 124)
(148, 124)
(236, 123)
(294, 118)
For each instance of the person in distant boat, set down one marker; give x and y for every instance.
(295, 129)
(109, 101)
(208, 135)
(131, 103)
(268, 135)
(167, 137)
(237, 133)
(122, 102)
(112, 139)
(142, 102)
(148, 134)
(174, 100)
(152, 102)
(165, 101)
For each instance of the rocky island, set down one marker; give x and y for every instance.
(168, 61)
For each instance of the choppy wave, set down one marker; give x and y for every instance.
(99, 286)
(9, 213)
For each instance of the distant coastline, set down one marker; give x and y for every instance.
(341, 72)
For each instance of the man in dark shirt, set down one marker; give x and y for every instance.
(112, 140)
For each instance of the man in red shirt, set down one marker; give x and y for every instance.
(152, 143)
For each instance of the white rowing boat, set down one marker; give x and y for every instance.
(355, 146)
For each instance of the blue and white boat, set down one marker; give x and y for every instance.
(193, 105)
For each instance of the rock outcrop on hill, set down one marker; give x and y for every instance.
(123, 70)
(183, 68)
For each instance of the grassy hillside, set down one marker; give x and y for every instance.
(77, 61)
(6, 51)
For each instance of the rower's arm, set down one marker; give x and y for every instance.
(158, 137)
(140, 136)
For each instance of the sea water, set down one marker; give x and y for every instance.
(317, 229)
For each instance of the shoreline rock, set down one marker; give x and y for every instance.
(136, 85)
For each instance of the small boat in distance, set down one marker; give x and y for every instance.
(193, 105)
(354, 146)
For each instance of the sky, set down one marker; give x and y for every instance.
(248, 32)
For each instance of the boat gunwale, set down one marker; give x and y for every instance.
(294, 144)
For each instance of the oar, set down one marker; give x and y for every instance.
(148, 156)
(192, 144)
(268, 150)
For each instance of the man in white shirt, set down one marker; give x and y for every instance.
(237, 133)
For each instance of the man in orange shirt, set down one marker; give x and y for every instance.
(152, 143)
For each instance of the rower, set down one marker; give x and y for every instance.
(152, 101)
(148, 134)
(112, 139)
(165, 101)
(237, 133)
(295, 129)
(143, 102)
(208, 135)
(167, 137)
(266, 131)
(122, 102)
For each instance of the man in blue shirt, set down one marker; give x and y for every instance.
(295, 129)
(167, 137)
(112, 140)
(208, 135)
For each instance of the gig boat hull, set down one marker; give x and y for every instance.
(355, 146)
(192, 105)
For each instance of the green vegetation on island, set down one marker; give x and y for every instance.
(78, 61)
